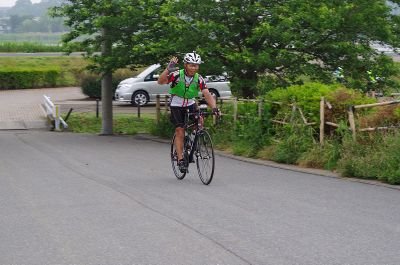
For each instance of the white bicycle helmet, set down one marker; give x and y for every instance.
(192, 57)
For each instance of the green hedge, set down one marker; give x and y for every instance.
(28, 78)
(91, 83)
(91, 86)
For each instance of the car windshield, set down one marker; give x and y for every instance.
(141, 75)
(148, 70)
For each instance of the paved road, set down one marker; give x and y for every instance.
(86, 199)
(21, 109)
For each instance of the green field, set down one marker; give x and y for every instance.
(30, 42)
(43, 38)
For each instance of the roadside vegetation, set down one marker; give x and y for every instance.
(124, 124)
(373, 155)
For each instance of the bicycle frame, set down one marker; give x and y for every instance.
(197, 126)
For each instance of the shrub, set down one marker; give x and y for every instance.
(381, 116)
(356, 160)
(91, 86)
(293, 142)
(28, 78)
(251, 131)
(307, 97)
(372, 158)
(91, 83)
(318, 156)
(250, 135)
(164, 128)
(341, 99)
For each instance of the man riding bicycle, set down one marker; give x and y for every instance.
(185, 86)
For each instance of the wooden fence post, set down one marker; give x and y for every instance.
(294, 107)
(352, 122)
(138, 110)
(235, 110)
(166, 103)
(260, 108)
(158, 110)
(322, 120)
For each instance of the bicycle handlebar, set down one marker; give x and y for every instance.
(205, 113)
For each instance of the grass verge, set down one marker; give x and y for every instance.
(123, 124)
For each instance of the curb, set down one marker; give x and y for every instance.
(313, 171)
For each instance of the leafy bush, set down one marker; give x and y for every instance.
(356, 160)
(318, 156)
(28, 78)
(307, 97)
(164, 128)
(250, 136)
(341, 99)
(91, 83)
(293, 142)
(372, 158)
(381, 116)
(250, 133)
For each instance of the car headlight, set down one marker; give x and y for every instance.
(122, 87)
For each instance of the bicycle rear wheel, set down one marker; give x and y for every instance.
(205, 160)
(174, 161)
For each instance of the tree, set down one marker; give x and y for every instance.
(21, 7)
(281, 39)
(14, 22)
(105, 25)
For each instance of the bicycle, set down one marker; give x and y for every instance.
(198, 147)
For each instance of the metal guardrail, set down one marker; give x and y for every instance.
(53, 113)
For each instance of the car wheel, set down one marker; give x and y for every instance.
(214, 93)
(140, 98)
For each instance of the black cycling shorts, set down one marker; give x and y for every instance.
(178, 115)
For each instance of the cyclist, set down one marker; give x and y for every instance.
(185, 86)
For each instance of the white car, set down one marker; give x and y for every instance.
(144, 88)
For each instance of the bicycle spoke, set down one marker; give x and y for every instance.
(205, 158)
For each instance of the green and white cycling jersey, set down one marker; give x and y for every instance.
(184, 92)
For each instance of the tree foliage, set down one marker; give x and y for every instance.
(283, 40)
(27, 17)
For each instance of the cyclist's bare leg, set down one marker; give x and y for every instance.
(180, 135)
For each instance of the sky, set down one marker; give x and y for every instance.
(9, 3)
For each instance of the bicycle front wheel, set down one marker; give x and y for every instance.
(205, 160)
(174, 161)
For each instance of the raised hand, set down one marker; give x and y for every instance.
(172, 64)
